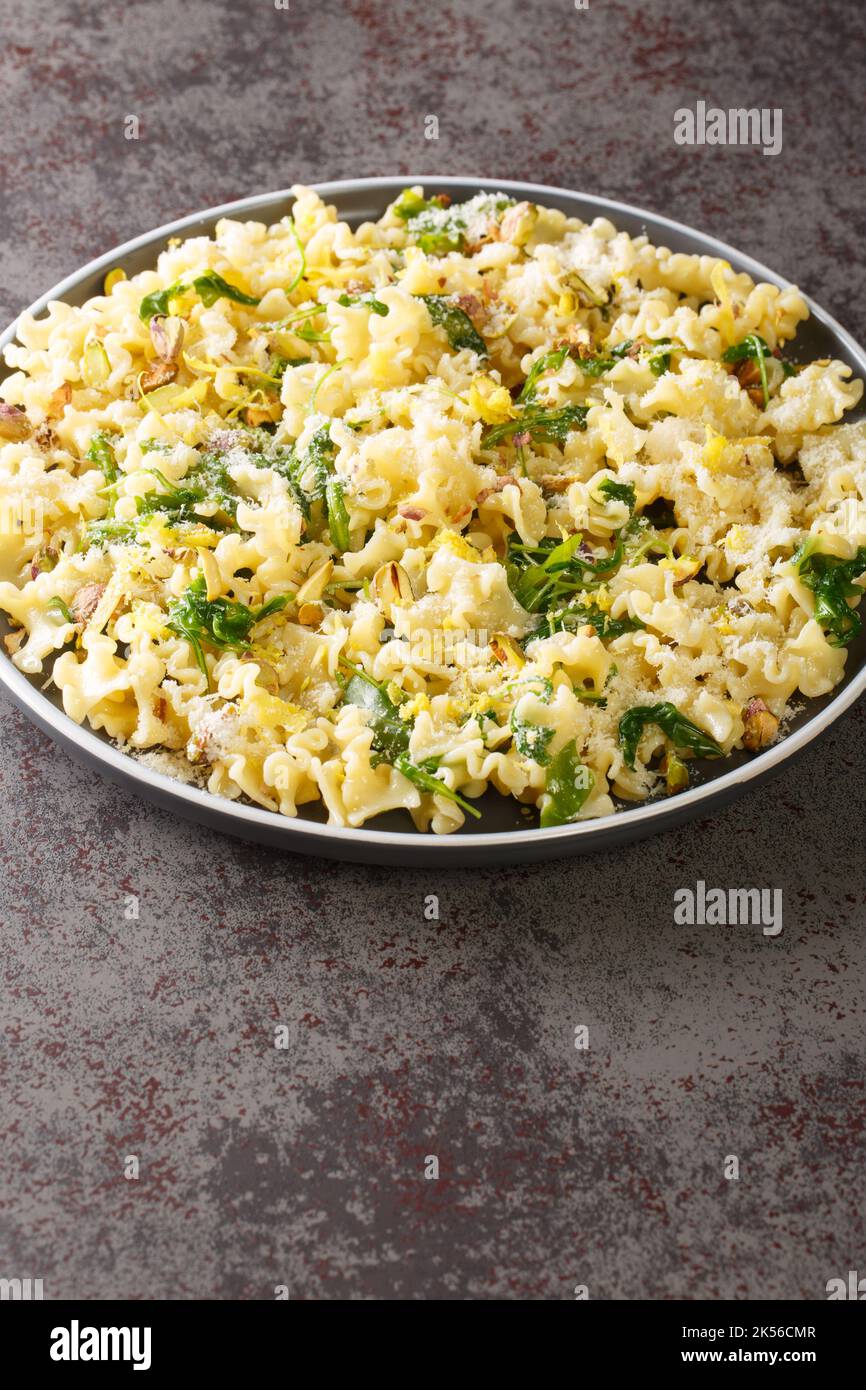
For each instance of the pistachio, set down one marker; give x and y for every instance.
(166, 334)
(157, 374)
(310, 614)
(313, 587)
(86, 601)
(676, 773)
(14, 424)
(507, 651)
(45, 437)
(267, 677)
(759, 725)
(391, 586)
(95, 364)
(58, 400)
(44, 560)
(518, 223)
(594, 298)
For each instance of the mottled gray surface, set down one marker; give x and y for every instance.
(410, 1038)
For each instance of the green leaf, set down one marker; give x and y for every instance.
(680, 730)
(391, 736)
(374, 305)
(753, 346)
(220, 622)
(425, 781)
(320, 455)
(569, 619)
(621, 492)
(550, 362)
(431, 224)
(831, 579)
(531, 740)
(101, 453)
(541, 576)
(211, 287)
(604, 362)
(543, 426)
(338, 517)
(660, 362)
(390, 732)
(109, 530)
(569, 783)
(458, 326)
(159, 302)
(56, 605)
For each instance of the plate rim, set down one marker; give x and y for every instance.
(553, 841)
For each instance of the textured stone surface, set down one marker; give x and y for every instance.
(410, 1038)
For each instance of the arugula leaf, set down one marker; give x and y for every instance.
(425, 781)
(325, 493)
(391, 737)
(56, 605)
(540, 575)
(101, 453)
(543, 426)
(753, 346)
(206, 483)
(599, 364)
(369, 298)
(531, 740)
(338, 517)
(621, 492)
(219, 622)
(680, 730)
(831, 580)
(210, 287)
(590, 366)
(457, 324)
(550, 362)
(431, 224)
(159, 302)
(660, 362)
(320, 454)
(569, 783)
(109, 529)
(576, 615)
(390, 732)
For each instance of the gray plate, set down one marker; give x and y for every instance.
(508, 836)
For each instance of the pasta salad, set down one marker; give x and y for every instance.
(476, 495)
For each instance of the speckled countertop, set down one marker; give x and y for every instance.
(408, 1038)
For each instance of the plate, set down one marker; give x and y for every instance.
(509, 835)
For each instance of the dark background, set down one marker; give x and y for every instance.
(408, 1038)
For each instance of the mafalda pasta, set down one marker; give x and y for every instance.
(475, 495)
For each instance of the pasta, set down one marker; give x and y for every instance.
(472, 496)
